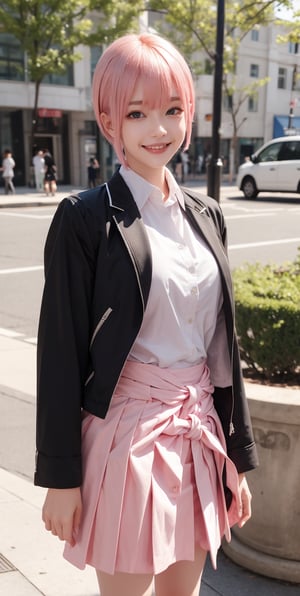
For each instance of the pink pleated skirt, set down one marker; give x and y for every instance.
(153, 470)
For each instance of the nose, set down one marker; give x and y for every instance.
(157, 126)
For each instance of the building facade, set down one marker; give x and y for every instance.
(272, 112)
(67, 128)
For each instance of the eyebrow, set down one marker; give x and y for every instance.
(139, 102)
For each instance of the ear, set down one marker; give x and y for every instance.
(106, 122)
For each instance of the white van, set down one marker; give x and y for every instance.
(275, 167)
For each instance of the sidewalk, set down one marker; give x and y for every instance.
(26, 197)
(29, 197)
(30, 558)
(31, 561)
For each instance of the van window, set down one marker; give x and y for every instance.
(270, 153)
(289, 151)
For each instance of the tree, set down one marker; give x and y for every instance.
(191, 24)
(48, 31)
(113, 19)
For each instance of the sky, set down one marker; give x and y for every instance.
(284, 13)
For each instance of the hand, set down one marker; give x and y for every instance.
(245, 496)
(62, 512)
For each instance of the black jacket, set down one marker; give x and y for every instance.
(98, 272)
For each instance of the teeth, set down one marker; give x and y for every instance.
(156, 146)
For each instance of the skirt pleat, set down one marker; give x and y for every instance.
(153, 471)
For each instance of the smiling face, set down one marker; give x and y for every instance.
(152, 135)
(151, 72)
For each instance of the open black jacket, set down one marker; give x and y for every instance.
(97, 279)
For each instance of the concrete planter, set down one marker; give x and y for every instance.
(270, 542)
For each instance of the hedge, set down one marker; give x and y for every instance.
(267, 302)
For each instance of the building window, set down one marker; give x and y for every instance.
(293, 47)
(11, 58)
(254, 70)
(255, 35)
(282, 76)
(96, 52)
(208, 67)
(61, 79)
(253, 104)
(227, 102)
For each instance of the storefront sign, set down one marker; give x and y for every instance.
(47, 113)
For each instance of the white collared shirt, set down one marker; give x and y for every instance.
(186, 294)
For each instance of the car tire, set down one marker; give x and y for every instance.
(249, 188)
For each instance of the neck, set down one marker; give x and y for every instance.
(158, 178)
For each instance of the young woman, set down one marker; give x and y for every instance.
(8, 165)
(143, 431)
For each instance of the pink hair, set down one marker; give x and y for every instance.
(131, 58)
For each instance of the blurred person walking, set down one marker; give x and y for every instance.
(38, 162)
(50, 174)
(8, 165)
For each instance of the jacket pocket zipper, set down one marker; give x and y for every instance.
(99, 325)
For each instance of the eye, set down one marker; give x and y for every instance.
(175, 111)
(135, 115)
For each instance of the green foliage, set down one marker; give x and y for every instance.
(191, 24)
(267, 302)
(48, 31)
(113, 19)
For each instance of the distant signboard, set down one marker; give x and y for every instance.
(48, 113)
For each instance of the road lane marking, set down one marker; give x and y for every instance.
(31, 340)
(16, 335)
(25, 215)
(247, 215)
(21, 269)
(10, 333)
(263, 243)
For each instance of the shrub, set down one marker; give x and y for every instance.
(267, 299)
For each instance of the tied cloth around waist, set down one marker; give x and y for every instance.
(189, 412)
(187, 390)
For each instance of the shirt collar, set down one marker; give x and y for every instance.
(142, 190)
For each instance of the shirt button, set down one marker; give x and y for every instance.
(190, 320)
(194, 290)
(175, 489)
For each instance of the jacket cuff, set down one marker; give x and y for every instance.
(245, 458)
(58, 472)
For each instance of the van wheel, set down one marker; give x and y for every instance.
(249, 188)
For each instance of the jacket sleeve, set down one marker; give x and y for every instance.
(63, 346)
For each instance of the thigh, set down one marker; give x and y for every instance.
(182, 578)
(125, 584)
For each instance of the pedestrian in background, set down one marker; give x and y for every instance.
(8, 165)
(93, 172)
(141, 410)
(38, 162)
(50, 174)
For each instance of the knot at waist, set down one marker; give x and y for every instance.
(190, 388)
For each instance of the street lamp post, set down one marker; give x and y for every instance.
(214, 167)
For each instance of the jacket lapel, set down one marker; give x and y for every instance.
(129, 223)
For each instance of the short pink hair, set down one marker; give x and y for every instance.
(131, 58)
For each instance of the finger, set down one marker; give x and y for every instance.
(246, 509)
(77, 518)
